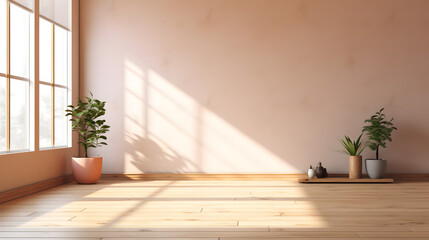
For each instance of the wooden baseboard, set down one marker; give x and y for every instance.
(200, 176)
(33, 188)
(243, 177)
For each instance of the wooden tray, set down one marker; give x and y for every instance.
(344, 180)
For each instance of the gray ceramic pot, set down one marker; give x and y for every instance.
(375, 167)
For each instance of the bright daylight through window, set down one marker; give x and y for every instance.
(16, 34)
(17, 88)
(54, 67)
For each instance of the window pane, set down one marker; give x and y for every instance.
(19, 115)
(60, 119)
(26, 3)
(56, 10)
(61, 56)
(45, 50)
(19, 41)
(3, 47)
(45, 116)
(3, 114)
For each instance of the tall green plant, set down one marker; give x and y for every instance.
(378, 131)
(85, 120)
(352, 148)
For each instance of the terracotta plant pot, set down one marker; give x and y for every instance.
(355, 167)
(87, 170)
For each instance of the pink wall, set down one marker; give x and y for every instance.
(255, 86)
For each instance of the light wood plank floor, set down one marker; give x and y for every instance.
(226, 210)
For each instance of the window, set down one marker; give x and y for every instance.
(16, 31)
(54, 72)
(18, 85)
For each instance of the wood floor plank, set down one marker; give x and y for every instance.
(284, 238)
(199, 238)
(394, 235)
(182, 234)
(42, 238)
(141, 229)
(341, 229)
(175, 209)
(418, 228)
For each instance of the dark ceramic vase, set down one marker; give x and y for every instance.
(325, 173)
(319, 171)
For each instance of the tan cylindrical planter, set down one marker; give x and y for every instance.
(355, 167)
(87, 170)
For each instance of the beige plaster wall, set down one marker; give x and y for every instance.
(255, 86)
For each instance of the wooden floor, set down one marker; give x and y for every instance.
(213, 210)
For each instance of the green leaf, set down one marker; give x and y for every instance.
(378, 131)
(352, 148)
(83, 118)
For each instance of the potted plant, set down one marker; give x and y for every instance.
(85, 118)
(354, 150)
(378, 131)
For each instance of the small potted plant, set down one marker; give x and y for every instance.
(379, 132)
(354, 150)
(85, 118)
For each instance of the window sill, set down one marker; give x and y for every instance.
(15, 151)
(30, 151)
(53, 148)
